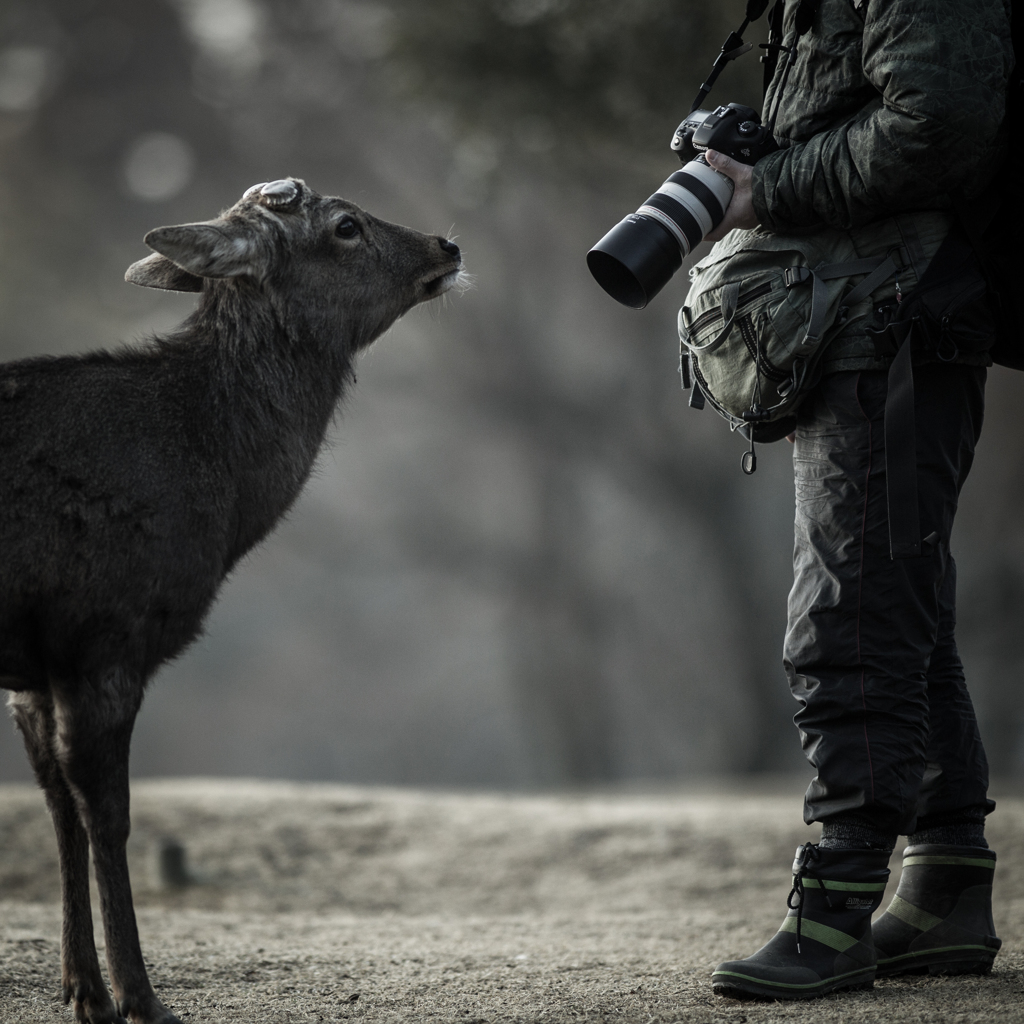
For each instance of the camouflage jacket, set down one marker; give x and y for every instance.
(890, 113)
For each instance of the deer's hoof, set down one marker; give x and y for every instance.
(148, 1011)
(167, 1018)
(91, 1002)
(91, 1011)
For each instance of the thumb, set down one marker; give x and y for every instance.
(720, 161)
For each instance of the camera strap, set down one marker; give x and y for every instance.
(732, 48)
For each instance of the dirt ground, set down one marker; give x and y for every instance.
(329, 903)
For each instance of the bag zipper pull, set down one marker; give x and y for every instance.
(748, 461)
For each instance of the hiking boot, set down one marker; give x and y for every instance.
(940, 919)
(824, 944)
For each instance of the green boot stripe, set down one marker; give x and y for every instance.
(813, 883)
(932, 950)
(791, 984)
(821, 932)
(970, 862)
(912, 915)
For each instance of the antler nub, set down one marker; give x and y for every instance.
(275, 194)
(280, 193)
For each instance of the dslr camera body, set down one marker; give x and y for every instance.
(734, 129)
(636, 259)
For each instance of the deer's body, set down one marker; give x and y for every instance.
(134, 481)
(130, 484)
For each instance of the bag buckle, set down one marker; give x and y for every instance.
(900, 258)
(795, 275)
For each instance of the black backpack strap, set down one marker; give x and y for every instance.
(805, 13)
(900, 423)
(901, 454)
(773, 47)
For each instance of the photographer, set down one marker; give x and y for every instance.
(889, 116)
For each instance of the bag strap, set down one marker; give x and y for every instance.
(878, 272)
(900, 427)
(901, 454)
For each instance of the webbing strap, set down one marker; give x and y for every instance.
(901, 456)
(877, 273)
(886, 269)
(829, 271)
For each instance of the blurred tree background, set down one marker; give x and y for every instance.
(523, 560)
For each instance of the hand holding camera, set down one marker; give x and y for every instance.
(637, 258)
(740, 212)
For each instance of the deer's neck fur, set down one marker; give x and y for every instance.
(275, 379)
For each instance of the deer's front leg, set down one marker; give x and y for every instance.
(81, 981)
(94, 726)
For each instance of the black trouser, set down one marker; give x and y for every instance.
(886, 718)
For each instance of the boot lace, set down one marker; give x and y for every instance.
(804, 867)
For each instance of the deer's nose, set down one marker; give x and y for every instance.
(449, 247)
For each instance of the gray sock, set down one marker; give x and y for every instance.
(965, 828)
(850, 832)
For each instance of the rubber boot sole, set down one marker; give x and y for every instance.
(741, 986)
(951, 960)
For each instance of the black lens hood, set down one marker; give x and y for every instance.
(635, 260)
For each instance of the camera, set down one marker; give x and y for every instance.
(636, 259)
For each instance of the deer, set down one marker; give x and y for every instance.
(133, 480)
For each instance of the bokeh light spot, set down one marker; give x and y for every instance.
(24, 71)
(158, 166)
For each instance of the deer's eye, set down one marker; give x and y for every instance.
(347, 228)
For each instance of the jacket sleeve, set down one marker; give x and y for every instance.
(940, 69)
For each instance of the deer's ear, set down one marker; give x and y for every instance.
(212, 249)
(158, 271)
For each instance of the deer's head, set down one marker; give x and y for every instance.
(317, 258)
